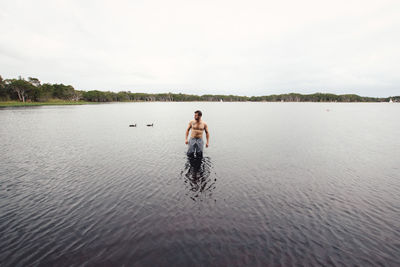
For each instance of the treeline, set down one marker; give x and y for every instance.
(32, 90)
(320, 97)
(101, 96)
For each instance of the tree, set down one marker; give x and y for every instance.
(34, 81)
(44, 92)
(3, 90)
(62, 91)
(24, 89)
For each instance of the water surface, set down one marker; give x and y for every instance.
(281, 184)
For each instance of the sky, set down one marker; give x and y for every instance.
(205, 47)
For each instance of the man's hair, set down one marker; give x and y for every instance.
(199, 113)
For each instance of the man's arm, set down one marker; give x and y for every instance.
(207, 134)
(187, 132)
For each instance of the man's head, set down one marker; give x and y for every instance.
(197, 115)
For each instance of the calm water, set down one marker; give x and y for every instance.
(281, 184)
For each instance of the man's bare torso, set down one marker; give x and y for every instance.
(197, 128)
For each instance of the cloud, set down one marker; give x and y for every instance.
(229, 47)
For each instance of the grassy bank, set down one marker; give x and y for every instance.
(52, 102)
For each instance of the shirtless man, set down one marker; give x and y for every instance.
(196, 138)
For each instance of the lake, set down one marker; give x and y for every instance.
(280, 184)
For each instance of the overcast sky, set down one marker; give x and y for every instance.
(218, 47)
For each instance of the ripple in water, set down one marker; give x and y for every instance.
(196, 175)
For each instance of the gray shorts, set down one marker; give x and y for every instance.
(195, 145)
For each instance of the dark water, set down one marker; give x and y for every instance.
(281, 184)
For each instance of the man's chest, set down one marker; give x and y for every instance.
(199, 126)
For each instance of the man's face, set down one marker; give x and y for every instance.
(196, 116)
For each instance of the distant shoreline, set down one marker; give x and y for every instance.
(47, 103)
(31, 92)
(4, 104)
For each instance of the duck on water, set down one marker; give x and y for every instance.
(134, 125)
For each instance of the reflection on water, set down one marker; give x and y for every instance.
(197, 177)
